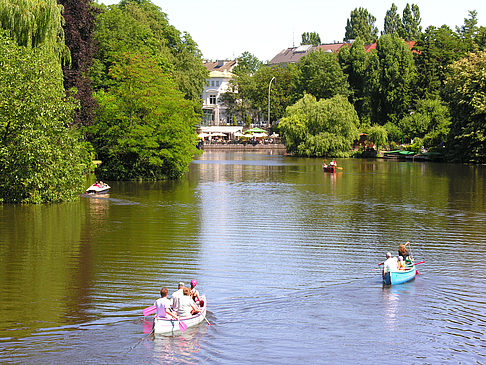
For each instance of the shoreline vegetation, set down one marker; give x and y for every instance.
(83, 81)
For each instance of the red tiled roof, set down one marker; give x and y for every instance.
(220, 65)
(333, 47)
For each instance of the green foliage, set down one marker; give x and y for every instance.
(41, 159)
(145, 129)
(354, 62)
(32, 23)
(326, 127)
(320, 74)
(394, 132)
(311, 38)
(466, 94)
(248, 94)
(391, 77)
(411, 28)
(430, 122)
(377, 135)
(247, 64)
(361, 24)
(393, 23)
(437, 49)
(141, 27)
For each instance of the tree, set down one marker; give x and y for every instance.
(138, 26)
(411, 27)
(247, 64)
(470, 33)
(393, 22)
(466, 94)
(145, 129)
(248, 94)
(31, 23)
(320, 75)
(78, 28)
(437, 49)
(361, 24)
(377, 135)
(354, 62)
(430, 122)
(320, 128)
(393, 65)
(311, 38)
(41, 159)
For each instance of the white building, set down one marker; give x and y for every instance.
(217, 84)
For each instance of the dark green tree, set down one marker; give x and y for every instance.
(314, 128)
(145, 129)
(411, 20)
(354, 62)
(393, 22)
(393, 66)
(437, 49)
(361, 24)
(311, 38)
(320, 74)
(466, 94)
(138, 26)
(41, 159)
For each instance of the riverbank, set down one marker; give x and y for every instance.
(280, 147)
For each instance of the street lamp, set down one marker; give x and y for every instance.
(269, 85)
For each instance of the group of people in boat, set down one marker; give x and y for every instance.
(332, 164)
(398, 263)
(100, 184)
(184, 302)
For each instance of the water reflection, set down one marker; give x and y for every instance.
(395, 298)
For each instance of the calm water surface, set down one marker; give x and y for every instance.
(285, 253)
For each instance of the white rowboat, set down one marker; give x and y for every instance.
(163, 325)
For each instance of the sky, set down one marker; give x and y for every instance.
(226, 29)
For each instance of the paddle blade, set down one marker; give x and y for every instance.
(182, 326)
(149, 310)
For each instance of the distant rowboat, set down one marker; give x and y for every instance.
(165, 326)
(328, 168)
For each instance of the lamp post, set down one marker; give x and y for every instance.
(269, 85)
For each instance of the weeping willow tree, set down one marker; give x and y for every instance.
(32, 23)
(41, 158)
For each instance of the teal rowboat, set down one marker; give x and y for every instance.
(400, 276)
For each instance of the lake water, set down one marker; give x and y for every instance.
(285, 253)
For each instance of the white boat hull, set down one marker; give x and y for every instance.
(93, 189)
(162, 325)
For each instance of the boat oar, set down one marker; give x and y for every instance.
(182, 326)
(417, 263)
(207, 321)
(149, 310)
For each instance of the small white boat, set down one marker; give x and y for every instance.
(163, 325)
(98, 188)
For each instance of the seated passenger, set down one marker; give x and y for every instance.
(401, 263)
(187, 307)
(163, 305)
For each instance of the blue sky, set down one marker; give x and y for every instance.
(224, 30)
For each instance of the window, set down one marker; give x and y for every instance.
(212, 99)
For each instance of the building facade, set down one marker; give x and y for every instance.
(217, 84)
